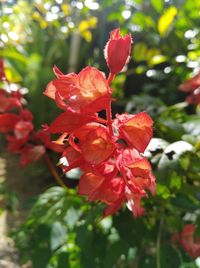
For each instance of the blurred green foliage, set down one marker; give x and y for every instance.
(63, 230)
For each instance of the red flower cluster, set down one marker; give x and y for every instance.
(187, 240)
(109, 152)
(192, 86)
(16, 123)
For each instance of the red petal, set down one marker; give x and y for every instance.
(50, 91)
(95, 143)
(68, 122)
(23, 129)
(26, 115)
(74, 159)
(109, 192)
(138, 131)
(94, 81)
(7, 104)
(57, 72)
(88, 183)
(8, 122)
(191, 84)
(134, 204)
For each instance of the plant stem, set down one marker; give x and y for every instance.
(109, 119)
(158, 264)
(53, 172)
(108, 110)
(110, 78)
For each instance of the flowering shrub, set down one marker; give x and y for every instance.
(108, 151)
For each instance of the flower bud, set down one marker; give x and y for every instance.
(117, 51)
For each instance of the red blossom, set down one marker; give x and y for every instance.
(94, 142)
(117, 51)
(7, 102)
(23, 129)
(186, 238)
(86, 92)
(192, 86)
(8, 122)
(136, 130)
(108, 152)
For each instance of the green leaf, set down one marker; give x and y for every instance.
(157, 4)
(114, 252)
(72, 217)
(15, 55)
(63, 260)
(162, 191)
(192, 126)
(175, 181)
(58, 235)
(166, 20)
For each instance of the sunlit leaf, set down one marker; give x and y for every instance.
(157, 59)
(166, 20)
(65, 9)
(86, 24)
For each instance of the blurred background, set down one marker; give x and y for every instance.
(62, 231)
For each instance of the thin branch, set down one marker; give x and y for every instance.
(53, 172)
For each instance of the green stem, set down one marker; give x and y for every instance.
(158, 242)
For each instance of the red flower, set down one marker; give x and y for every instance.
(187, 240)
(94, 142)
(8, 122)
(192, 86)
(117, 51)
(7, 103)
(136, 171)
(114, 182)
(108, 152)
(86, 92)
(23, 129)
(136, 130)
(110, 191)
